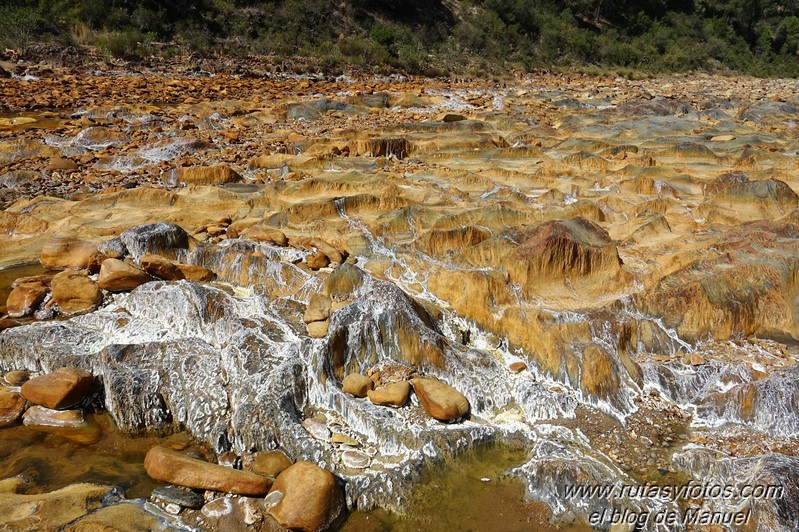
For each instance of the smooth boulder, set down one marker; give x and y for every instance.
(440, 400)
(311, 499)
(269, 463)
(267, 235)
(176, 468)
(357, 385)
(73, 292)
(25, 298)
(119, 276)
(63, 252)
(318, 308)
(12, 406)
(394, 394)
(161, 267)
(59, 389)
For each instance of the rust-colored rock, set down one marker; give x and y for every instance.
(74, 292)
(318, 329)
(192, 272)
(268, 463)
(61, 164)
(62, 252)
(219, 174)
(309, 498)
(25, 298)
(268, 235)
(59, 389)
(12, 406)
(440, 400)
(318, 308)
(70, 424)
(317, 261)
(160, 267)
(357, 384)
(394, 394)
(176, 468)
(119, 276)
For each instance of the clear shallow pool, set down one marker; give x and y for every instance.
(469, 492)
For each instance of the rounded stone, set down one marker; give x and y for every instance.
(312, 499)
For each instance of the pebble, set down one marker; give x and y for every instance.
(183, 497)
(355, 459)
(317, 429)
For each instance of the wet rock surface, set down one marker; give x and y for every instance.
(603, 271)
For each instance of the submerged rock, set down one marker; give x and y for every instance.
(161, 238)
(177, 495)
(47, 511)
(70, 424)
(12, 406)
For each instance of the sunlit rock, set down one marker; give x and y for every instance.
(311, 499)
(170, 466)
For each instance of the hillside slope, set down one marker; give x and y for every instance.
(436, 37)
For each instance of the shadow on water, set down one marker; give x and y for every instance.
(468, 493)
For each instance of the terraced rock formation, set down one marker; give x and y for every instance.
(604, 272)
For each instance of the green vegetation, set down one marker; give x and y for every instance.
(758, 37)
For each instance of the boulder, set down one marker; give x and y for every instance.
(176, 468)
(25, 298)
(63, 252)
(309, 498)
(62, 388)
(119, 276)
(70, 424)
(268, 463)
(268, 235)
(12, 406)
(74, 292)
(192, 272)
(318, 308)
(394, 394)
(161, 267)
(126, 516)
(318, 329)
(47, 511)
(17, 377)
(440, 400)
(209, 175)
(317, 261)
(357, 384)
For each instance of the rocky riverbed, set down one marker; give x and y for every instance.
(376, 277)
